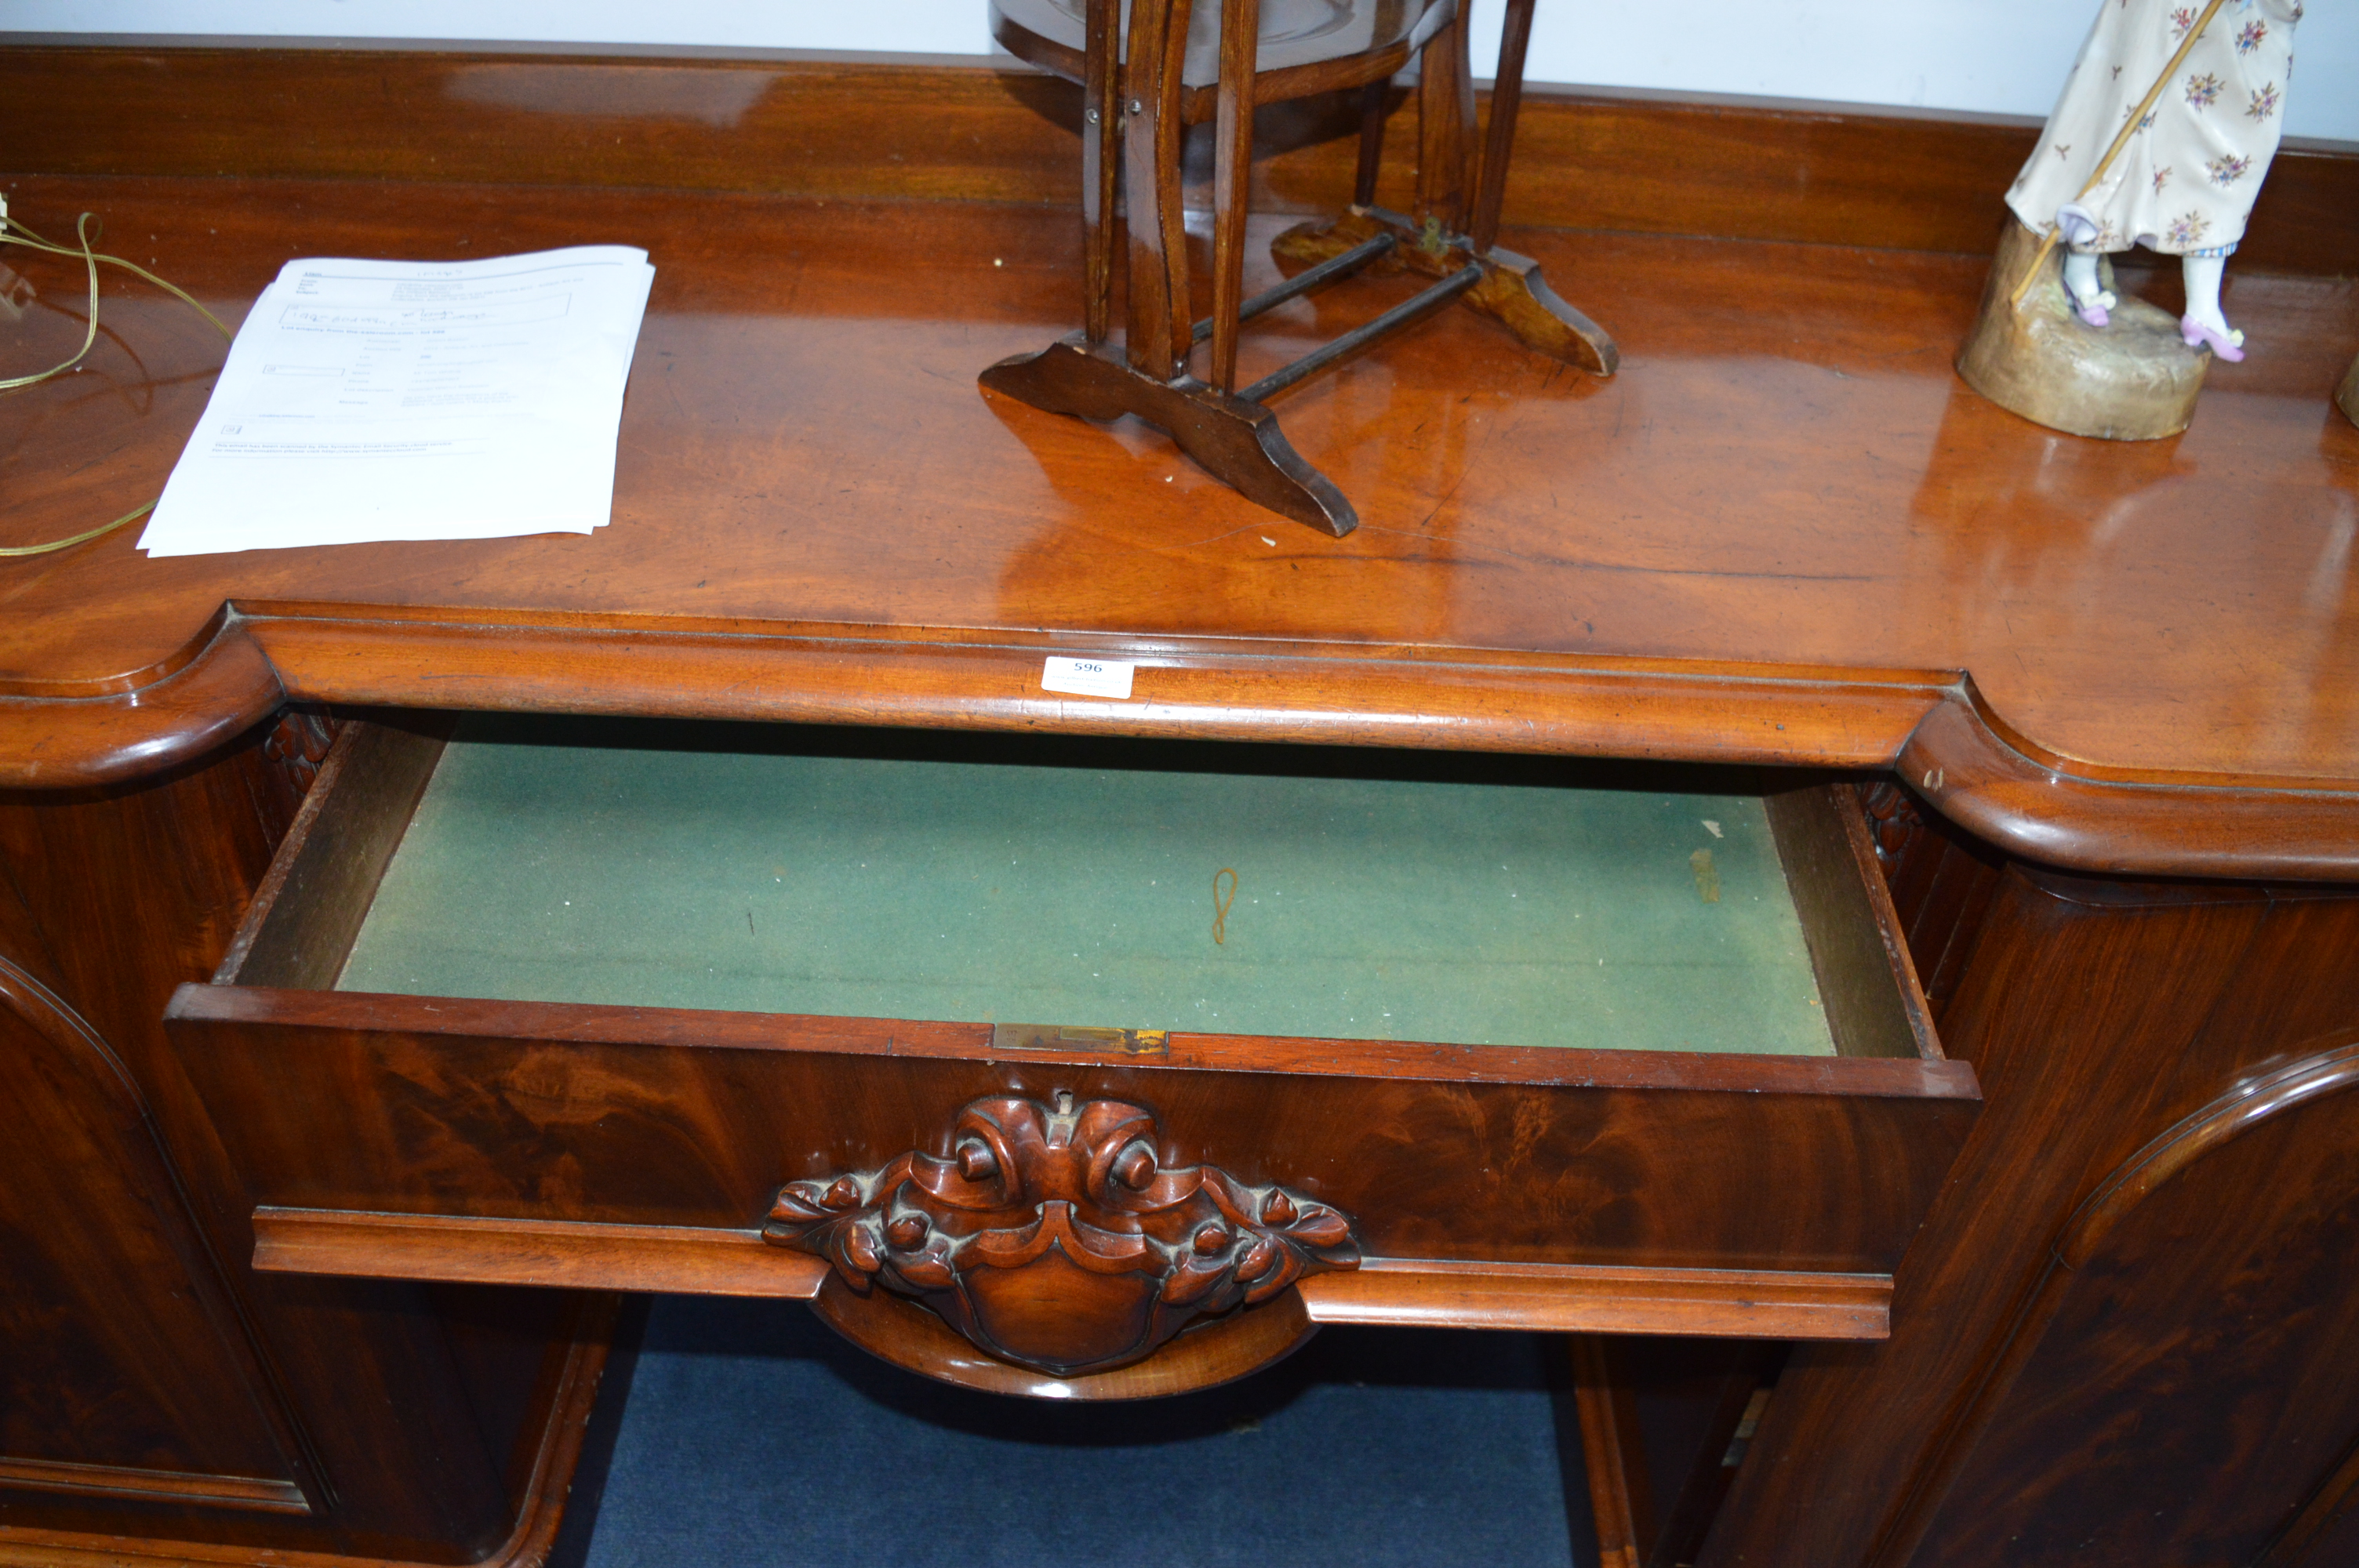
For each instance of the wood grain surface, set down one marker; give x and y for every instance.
(1664, 565)
(1631, 159)
(1502, 1185)
(659, 1117)
(128, 1373)
(408, 1411)
(1784, 531)
(2202, 1299)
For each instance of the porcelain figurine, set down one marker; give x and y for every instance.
(2184, 184)
(2161, 137)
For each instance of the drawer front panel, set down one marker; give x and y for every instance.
(334, 1101)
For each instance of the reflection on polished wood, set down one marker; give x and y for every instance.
(1789, 496)
(1646, 162)
(1779, 534)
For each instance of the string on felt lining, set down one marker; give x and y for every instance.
(13, 232)
(1222, 904)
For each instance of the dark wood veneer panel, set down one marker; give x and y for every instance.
(129, 890)
(2203, 1304)
(2097, 1015)
(124, 1370)
(344, 1102)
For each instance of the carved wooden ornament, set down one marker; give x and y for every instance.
(1052, 1237)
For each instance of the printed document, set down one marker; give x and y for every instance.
(367, 400)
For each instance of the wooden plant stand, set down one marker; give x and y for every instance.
(1137, 103)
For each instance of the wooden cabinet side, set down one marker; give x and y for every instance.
(2098, 1014)
(251, 1413)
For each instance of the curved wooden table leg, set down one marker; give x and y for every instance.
(1512, 292)
(1237, 442)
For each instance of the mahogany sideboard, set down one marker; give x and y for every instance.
(2084, 715)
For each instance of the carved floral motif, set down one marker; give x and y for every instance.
(292, 753)
(1054, 1236)
(1893, 820)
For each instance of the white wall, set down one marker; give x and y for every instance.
(2007, 55)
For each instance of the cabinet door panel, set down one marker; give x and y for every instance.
(124, 1375)
(2194, 1346)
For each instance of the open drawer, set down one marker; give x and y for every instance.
(1086, 1068)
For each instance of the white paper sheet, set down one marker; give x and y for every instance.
(368, 400)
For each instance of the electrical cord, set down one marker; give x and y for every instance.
(13, 232)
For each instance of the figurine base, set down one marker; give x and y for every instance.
(2347, 398)
(2135, 380)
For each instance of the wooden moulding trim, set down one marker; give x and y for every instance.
(1210, 688)
(155, 1486)
(572, 1254)
(1576, 1298)
(125, 681)
(1554, 1297)
(1971, 766)
(1933, 725)
(527, 1544)
(2226, 1119)
(659, 1028)
(226, 688)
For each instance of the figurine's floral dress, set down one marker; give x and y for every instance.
(2185, 183)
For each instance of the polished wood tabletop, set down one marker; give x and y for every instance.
(1785, 532)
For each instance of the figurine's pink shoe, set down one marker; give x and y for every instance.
(2229, 346)
(2091, 311)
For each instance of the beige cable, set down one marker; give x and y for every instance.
(13, 232)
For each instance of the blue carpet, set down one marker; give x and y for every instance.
(751, 1434)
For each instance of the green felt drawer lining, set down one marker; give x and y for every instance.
(542, 867)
